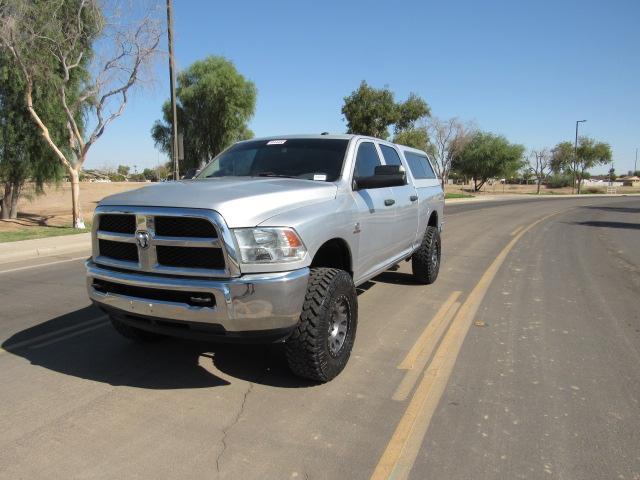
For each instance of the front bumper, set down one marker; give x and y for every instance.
(249, 303)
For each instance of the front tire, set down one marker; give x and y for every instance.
(425, 262)
(321, 344)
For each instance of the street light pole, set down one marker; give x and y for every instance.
(575, 156)
(172, 83)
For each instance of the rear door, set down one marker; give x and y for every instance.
(428, 188)
(405, 227)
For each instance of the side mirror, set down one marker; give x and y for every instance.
(384, 176)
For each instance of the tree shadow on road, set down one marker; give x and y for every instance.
(613, 209)
(77, 344)
(609, 224)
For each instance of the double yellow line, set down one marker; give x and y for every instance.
(403, 448)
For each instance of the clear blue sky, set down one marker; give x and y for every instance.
(527, 70)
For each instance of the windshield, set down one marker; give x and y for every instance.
(306, 158)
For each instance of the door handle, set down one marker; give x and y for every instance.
(389, 201)
(413, 198)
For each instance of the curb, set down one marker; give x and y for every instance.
(45, 247)
(515, 196)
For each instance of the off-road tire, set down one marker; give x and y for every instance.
(308, 351)
(425, 262)
(133, 333)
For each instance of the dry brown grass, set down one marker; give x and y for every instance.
(54, 207)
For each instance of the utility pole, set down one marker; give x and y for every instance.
(575, 157)
(635, 166)
(172, 82)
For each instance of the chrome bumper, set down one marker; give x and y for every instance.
(255, 302)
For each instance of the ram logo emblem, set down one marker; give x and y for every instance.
(142, 238)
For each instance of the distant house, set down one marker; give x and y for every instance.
(632, 181)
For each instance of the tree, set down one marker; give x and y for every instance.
(23, 153)
(162, 172)
(590, 154)
(150, 174)
(561, 158)
(51, 42)
(214, 104)
(123, 170)
(448, 138)
(371, 111)
(417, 137)
(488, 156)
(540, 165)
(527, 174)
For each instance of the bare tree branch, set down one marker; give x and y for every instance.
(52, 45)
(449, 137)
(540, 165)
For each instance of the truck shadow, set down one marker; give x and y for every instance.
(396, 278)
(68, 345)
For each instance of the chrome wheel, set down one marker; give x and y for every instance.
(435, 256)
(338, 324)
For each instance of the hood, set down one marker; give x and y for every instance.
(242, 201)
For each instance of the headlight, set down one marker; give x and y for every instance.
(269, 245)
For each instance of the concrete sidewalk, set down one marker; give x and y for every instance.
(45, 247)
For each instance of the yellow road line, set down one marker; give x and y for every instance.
(427, 334)
(413, 374)
(517, 230)
(69, 335)
(31, 341)
(399, 456)
(29, 267)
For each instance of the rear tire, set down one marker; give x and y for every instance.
(132, 333)
(321, 344)
(425, 261)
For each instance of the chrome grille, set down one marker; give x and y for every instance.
(190, 257)
(118, 223)
(185, 227)
(168, 241)
(127, 252)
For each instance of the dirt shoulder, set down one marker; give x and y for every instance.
(53, 208)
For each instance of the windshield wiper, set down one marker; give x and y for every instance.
(272, 174)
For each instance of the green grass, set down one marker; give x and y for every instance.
(457, 195)
(28, 233)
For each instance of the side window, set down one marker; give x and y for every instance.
(390, 155)
(419, 166)
(366, 160)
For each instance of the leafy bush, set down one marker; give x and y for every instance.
(559, 181)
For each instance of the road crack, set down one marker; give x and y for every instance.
(226, 430)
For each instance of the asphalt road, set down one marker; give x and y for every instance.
(521, 361)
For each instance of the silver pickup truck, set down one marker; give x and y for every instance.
(268, 243)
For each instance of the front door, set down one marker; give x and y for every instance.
(376, 214)
(405, 226)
